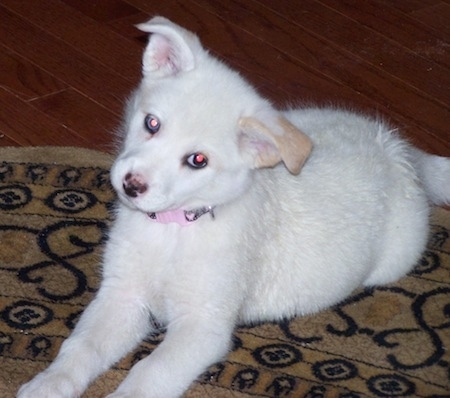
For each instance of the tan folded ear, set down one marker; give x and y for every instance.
(269, 147)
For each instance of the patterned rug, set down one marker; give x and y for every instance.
(54, 214)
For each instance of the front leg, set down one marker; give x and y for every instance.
(191, 345)
(203, 293)
(112, 325)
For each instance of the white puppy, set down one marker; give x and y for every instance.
(231, 211)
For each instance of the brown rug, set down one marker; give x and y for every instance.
(54, 214)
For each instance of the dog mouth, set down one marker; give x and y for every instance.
(134, 191)
(136, 201)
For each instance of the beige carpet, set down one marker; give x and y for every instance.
(387, 342)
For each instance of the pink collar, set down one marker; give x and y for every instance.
(182, 217)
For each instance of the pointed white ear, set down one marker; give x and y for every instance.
(171, 48)
(270, 145)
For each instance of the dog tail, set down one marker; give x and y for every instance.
(434, 173)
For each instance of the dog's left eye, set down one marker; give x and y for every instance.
(197, 160)
(152, 124)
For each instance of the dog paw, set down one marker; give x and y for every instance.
(49, 385)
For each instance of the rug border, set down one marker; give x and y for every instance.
(65, 155)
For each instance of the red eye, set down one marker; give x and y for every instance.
(152, 124)
(197, 160)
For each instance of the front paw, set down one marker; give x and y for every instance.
(49, 385)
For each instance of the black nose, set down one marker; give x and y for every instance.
(134, 186)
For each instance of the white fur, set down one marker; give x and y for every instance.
(280, 244)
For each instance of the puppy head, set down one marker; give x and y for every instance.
(195, 130)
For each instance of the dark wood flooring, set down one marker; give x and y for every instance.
(66, 66)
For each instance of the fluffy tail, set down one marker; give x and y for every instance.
(434, 172)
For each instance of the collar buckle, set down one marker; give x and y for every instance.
(182, 217)
(194, 215)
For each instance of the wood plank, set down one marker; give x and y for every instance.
(82, 32)
(155, 7)
(103, 10)
(25, 125)
(425, 40)
(367, 45)
(419, 115)
(64, 62)
(410, 5)
(7, 141)
(80, 114)
(126, 28)
(25, 79)
(437, 16)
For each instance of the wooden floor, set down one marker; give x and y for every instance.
(66, 66)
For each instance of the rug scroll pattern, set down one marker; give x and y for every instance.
(389, 341)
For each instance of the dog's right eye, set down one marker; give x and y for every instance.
(152, 124)
(196, 160)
